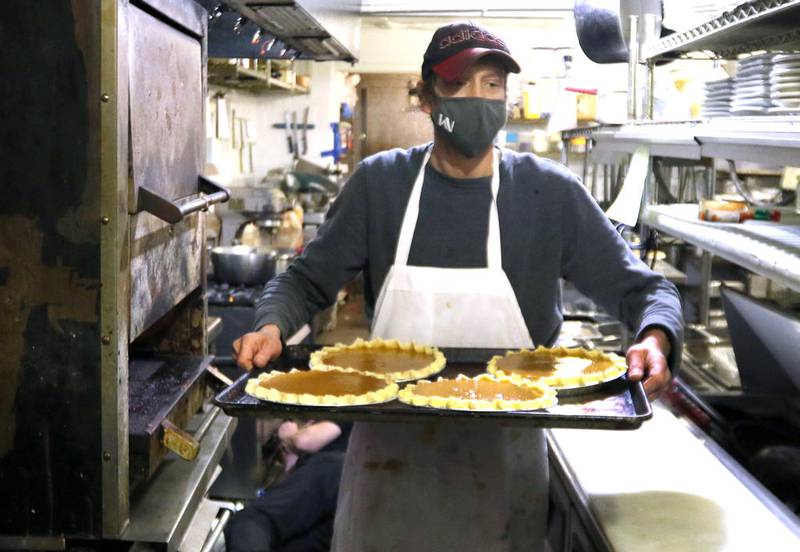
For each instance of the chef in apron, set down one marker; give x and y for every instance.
(445, 485)
(469, 485)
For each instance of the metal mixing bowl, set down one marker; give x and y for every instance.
(242, 264)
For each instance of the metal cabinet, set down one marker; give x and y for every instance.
(571, 524)
(97, 290)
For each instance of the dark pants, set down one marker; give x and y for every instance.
(295, 515)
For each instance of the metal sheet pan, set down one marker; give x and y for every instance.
(618, 404)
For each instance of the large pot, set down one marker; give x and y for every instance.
(603, 26)
(246, 265)
(283, 258)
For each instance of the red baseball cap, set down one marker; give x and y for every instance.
(455, 47)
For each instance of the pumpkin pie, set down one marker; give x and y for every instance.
(386, 358)
(560, 367)
(326, 387)
(483, 393)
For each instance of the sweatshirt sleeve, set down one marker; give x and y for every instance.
(333, 258)
(600, 264)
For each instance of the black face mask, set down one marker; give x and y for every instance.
(469, 124)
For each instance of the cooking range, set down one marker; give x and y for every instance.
(235, 306)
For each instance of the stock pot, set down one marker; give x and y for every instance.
(247, 265)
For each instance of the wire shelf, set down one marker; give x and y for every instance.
(766, 248)
(757, 25)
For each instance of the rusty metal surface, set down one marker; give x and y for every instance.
(166, 107)
(66, 244)
(188, 15)
(166, 265)
(49, 275)
(181, 330)
(162, 387)
(108, 63)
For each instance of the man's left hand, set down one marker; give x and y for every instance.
(647, 359)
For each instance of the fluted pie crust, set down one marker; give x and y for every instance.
(322, 387)
(481, 393)
(386, 358)
(559, 367)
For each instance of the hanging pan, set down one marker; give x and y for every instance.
(603, 26)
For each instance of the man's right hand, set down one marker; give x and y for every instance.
(258, 348)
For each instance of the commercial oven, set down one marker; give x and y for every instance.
(106, 431)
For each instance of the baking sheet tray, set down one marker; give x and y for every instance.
(618, 404)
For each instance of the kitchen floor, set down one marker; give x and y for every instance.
(351, 323)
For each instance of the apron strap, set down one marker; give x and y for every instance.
(412, 213)
(493, 252)
(494, 258)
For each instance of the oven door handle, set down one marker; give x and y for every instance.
(174, 211)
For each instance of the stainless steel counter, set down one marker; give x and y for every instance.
(667, 487)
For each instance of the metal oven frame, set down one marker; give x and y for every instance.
(65, 462)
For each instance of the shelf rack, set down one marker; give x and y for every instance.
(757, 25)
(767, 139)
(766, 248)
(236, 76)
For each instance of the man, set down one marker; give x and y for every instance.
(296, 513)
(502, 226)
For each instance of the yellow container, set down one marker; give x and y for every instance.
(587, 107)
(531, 104)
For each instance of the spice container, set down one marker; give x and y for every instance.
(735, 211)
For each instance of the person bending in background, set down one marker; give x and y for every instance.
(295, 514)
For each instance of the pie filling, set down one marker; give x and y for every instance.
(324, 383)
(481, 390)
(545, 366)
(379, 361)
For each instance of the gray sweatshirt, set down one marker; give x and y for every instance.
(550, 228)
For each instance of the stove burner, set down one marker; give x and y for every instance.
(222, 293)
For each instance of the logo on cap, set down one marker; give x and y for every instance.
(471, 33)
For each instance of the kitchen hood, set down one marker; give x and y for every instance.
(321, 30)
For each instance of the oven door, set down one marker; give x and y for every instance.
(167, 90)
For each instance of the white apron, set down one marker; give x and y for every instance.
(466, 486)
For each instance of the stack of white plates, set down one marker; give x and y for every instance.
(784, 83)
(751, 86)
(717, 98)
(680, 15)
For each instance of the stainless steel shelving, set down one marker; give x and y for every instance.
(768, 140)
(236, 76)
(665, 140)
(757, 25)
(766, 248)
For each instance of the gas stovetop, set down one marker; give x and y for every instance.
(222, 294)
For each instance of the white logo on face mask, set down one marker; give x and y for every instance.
(447, 123)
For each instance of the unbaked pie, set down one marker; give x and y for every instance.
(482, 393)
(326, 387)
(389, 358)
(559, 367)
